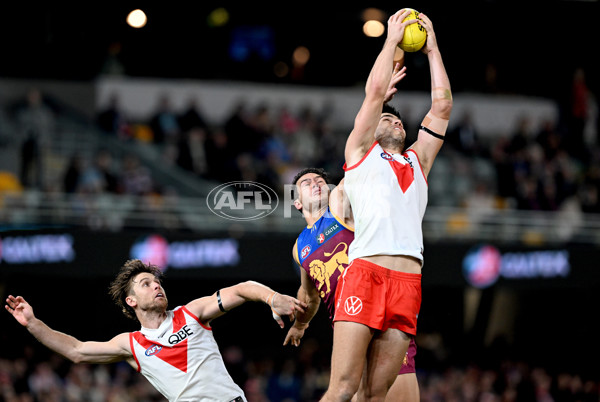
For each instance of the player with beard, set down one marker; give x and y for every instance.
(321, 252)
(379, 294)
(174, 349)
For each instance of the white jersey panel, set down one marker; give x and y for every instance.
(182, 360)
(388, 195)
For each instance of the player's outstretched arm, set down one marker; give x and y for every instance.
(211, 307)
(309, 294)
(116, 349)
(434, 125)
(376, 90)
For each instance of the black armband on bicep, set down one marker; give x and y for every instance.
(436, 135)
(220, 302)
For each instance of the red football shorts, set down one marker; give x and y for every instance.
(378, 297)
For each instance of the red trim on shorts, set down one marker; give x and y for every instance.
(346, 168)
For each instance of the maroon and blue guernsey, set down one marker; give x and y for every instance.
(322, 251)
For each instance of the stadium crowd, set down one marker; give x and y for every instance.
(547, 167)
(40, 376)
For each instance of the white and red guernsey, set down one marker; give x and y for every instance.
(388, 195)
(182, 360)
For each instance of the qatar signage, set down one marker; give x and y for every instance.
(155, 249)
(37, 249)
(484, 265)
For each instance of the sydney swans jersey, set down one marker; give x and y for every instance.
(182, 360)
(388, 195)
(322, 251)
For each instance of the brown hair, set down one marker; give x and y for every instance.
(120, 288)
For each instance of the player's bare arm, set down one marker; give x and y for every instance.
(309, 294)
(117, 349)
(210, 307)
(433, 128)
(339, 205)
(376, 90)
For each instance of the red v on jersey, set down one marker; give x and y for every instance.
(404, 174)
(177, 355)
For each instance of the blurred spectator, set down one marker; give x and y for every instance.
(521, 137)
(464, 136)
(287, 123)
(112, 119)
(135, 178)
(37, 124)
(164, 122)
(73, 174)
(192, 117)
(103, 163)
(481, 202)
(578, 114)
(304, 144)
(220, 158)
(505, 177)
(284, 384)
(237, 129)
(99, 177)
(191, 151)
(44, 383)
(549, 139)
(261, 128)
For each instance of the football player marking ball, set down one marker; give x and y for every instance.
(415, 34)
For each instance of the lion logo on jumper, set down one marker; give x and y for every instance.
(323, 270)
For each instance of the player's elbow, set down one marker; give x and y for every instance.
(376, 88)
(76, 357)
(442, 108)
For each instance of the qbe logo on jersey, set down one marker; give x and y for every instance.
(242, 200)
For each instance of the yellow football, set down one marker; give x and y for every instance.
(415, 35)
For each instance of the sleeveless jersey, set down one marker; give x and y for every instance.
(388, 195)
(182, 360)
(322, 251)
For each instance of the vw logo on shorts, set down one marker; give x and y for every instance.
(242, 200)
(353, 305)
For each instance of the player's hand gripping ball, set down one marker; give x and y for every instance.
(415, 35)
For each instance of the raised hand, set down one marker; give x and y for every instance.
(431, 39)
(396, 25)
(19, 309)
(398, 75)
